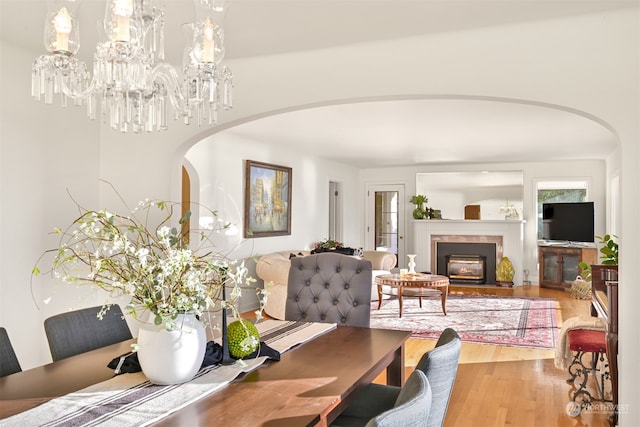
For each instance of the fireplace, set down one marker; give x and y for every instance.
(481, 253)
(466, 268)
(506, 235)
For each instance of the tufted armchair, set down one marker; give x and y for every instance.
(273, 269)
(329, 288)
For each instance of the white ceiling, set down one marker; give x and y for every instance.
(383, 133)
(432, 131)
(263, 27)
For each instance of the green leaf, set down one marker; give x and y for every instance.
(158, 320)
(35, 271)
(185, 217)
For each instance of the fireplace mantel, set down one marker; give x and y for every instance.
(510, 232)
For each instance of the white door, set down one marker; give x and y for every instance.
(386, 219)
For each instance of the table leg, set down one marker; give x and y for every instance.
(395, 370)
(445, 291)
(379, 296)
(400, 299)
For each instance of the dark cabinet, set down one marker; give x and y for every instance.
(559, 264)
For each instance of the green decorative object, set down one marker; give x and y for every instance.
(243, 338)
(418, 213)
(505, 271)
(419, 200)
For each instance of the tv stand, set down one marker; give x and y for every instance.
(559, 263)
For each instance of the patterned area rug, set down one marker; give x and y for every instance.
(484, 319)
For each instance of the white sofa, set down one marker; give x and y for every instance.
(273, 269)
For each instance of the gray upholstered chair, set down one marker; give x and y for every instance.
(330, 288)
(80, 331)
(440, 365)
(8, 360)
(411, 407)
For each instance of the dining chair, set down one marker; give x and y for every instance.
(440, 366)
(9, 363)
(80, 331)
(411, 407)
(329, 288)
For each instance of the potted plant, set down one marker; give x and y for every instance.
(581, 286)
(419, 200)
(608, 268)
(327, 245)
(172, 279)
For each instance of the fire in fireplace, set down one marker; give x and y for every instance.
(488, 251)
(467, 268)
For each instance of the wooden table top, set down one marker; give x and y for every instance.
(413, 280)
(310, 385)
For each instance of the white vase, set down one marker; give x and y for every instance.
(172, 357)
(412, 263)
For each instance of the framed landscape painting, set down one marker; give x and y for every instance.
(267, 200)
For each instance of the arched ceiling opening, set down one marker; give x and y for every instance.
(427, 130)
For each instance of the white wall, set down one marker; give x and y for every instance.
(45, 152)
(219, 162)
(220, 165)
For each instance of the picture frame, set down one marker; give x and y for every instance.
(267, 200)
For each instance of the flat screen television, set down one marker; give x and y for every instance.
(573, 222)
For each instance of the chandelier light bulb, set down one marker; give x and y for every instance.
(63, 26)
(123, 9)
(208, 42)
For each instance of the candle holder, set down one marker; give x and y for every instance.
(412, 263)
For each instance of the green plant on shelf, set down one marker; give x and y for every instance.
(419, 201)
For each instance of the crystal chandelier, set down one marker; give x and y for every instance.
(132, 84)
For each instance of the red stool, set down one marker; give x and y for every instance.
(584, 341)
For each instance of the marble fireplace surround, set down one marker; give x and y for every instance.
(507, 235)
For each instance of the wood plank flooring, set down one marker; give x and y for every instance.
(508, 386)
(500, 386)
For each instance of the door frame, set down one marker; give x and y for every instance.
(370, 216)
(335, 210)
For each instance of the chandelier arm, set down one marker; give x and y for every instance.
(168, 76)
(82, 94)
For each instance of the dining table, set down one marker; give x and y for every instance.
(310, 385)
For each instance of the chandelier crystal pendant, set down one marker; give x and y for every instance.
(134, 86)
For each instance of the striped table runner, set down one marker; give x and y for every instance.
(131, 400)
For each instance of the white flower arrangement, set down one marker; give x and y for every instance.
(158, 267)
(509, 211)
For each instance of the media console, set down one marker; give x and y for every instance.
(559, 263)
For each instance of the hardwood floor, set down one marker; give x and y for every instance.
(500, 386)
(509, 386)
